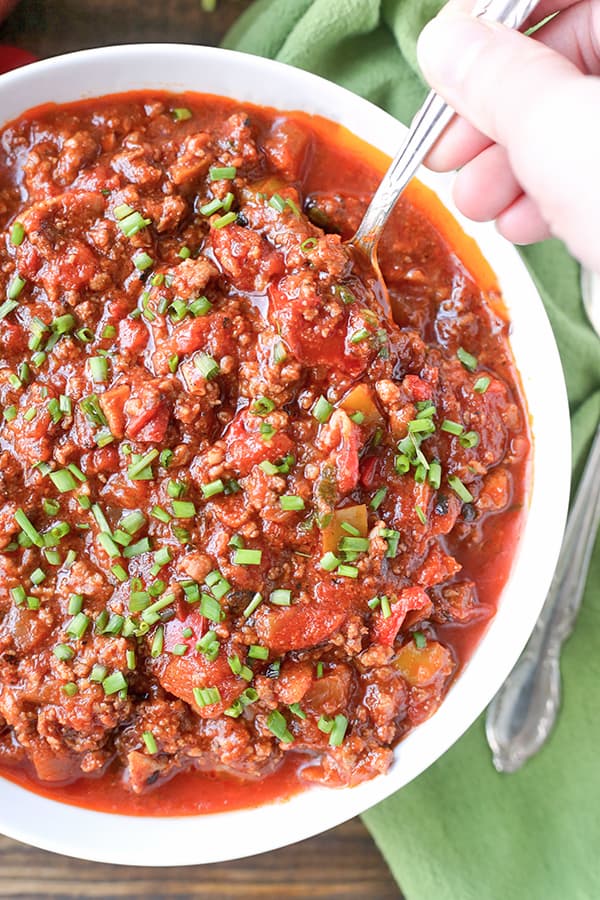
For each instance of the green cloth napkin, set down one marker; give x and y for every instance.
(461, 830)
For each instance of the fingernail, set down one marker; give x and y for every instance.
(448, 47)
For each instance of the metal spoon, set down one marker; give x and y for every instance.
(523, 713)
(429, 123)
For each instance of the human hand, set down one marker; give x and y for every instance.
(528, 147)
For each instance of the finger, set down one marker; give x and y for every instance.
(537, 105)
(522, 222)
(461, 142)
(575, 34)
(486, 186)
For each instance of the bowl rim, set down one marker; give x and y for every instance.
(218, 837)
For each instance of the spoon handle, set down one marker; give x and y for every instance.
(523, 712)
(429, 123)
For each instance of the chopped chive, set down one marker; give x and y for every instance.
(420, 640)
(309, 244)
(183, 509)
(355, 544)
(277, 724)
(114, 683)
(469, 440)
(119, 572)
(244, 557)
(378, 498)
(17, 234)
(255, 651)
(420, 514)
(137, 468)
(78, 626)
(108, 545)
(280, 597)
(109, 332)
(175, 489)
(452, 427)
(75, 604)
(460, 489)
(98, 369)
(180, 649)
(10, 413)
(70, 688)
(15, 287)
(63, 652)
(220, 173)
(322, 410)
(142, 261)
(132, 223)
(279, 353)
(181, 114)
(225, 220)
(212, 488)
(325, 724)
(338, 732)
(201, 306)
(28, 528)
(157, 642)
(374, 602)
(277, 202)
(150, 742)
(137, 549)
(329, 561)
(262, 406)
(386, 609)
(173, 363)
(211, 608)
(132, 522)
(467, 359)
(207, 365)
(297, 710)
(161, 514)
(206, 696)
(482, 384)
(211, 207)
(359, 336)
(435, 475)
(98, 674)
(253, 605)
(347, 571)
(7, 307)
(63, 324)
(291, 502)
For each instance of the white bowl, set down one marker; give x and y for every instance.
(211, 838)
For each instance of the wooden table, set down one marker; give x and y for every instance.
(343, 863)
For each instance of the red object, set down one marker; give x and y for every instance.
(14, 58)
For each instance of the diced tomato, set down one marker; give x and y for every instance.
(133, 335)
(368, 469)
(246, 257)
(191, 335)
(112, 403)
(305, 337)
(417, 389)
(246, 447)
(437, 567)
(345, 439)
(306, 624)
(173, 630)
(152, 424)
(385, 630)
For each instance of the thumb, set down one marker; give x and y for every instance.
(533, 102)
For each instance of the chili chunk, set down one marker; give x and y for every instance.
(244, 513)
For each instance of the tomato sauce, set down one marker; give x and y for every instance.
(250, 529)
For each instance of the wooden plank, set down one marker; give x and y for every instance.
(343, 863)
